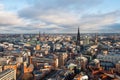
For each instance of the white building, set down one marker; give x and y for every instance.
(0, 68)
(19, 59)
(58, 46)
(9, 74)
(86, 40)
(85, 77)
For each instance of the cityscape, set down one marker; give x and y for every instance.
(59, 40)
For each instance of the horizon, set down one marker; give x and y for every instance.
(63, 33)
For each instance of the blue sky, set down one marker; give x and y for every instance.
(59, 16)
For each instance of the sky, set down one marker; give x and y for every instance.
(59, 16)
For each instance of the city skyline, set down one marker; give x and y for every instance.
(59, 16)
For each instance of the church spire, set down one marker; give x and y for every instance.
(78, 37)
(78, 41)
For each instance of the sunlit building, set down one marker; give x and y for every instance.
(8, 74)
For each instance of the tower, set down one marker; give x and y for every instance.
(38, 41)
(96, 39)
(78, 41)
(78, 37)
(86, 40)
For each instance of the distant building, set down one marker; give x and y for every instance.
(51, 59)
(1, 49)
(9, 74)
(37, 75)
(107, 65)
(86, 40)
(82, 62)
(62, 59)
(19, 59)
(1, 69)
(10, 66)
(114, 58)
(28, 68)
(37, 47)
(117, 68)
(81, 77)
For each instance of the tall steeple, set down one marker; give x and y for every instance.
(78, 38)
(78, 41)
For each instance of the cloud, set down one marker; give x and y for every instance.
(57, 16)
(68, 15)
(1, 6)
(9, 18)
(115, 28)
(38, 7)
(97, 21)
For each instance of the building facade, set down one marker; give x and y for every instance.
(9, 74)
(114, 58)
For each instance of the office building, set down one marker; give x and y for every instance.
(114, 58)
(8, 74)
(117, 68)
